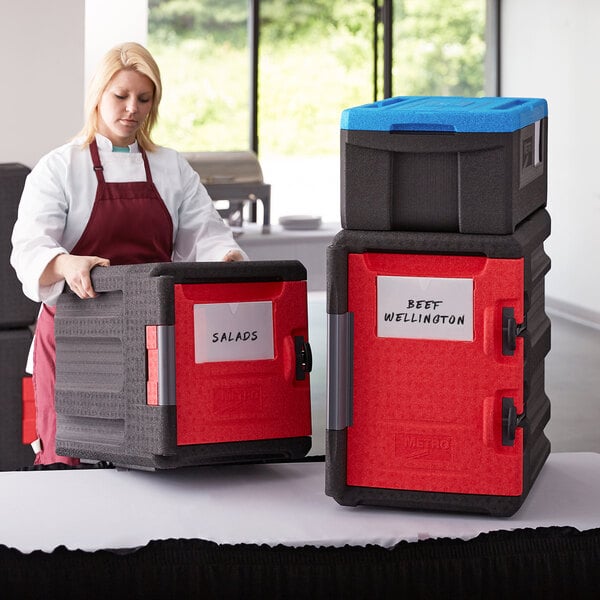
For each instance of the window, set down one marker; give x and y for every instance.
(315, 58)
(439, 47)
(202, 50)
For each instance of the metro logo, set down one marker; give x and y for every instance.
(424, 447)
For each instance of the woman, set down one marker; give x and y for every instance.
(110, 196)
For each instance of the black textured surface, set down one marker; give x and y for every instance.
(14, 346)
(201, 272)
(16, 310)
(465, 182)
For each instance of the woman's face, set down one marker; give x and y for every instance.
(124, 105)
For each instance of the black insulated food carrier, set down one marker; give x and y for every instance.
(17, 318)
(180, 364)
(14, 347)
(449, 164)
(16, 310)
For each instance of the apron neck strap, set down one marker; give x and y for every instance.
(99, 169)
(146, 164)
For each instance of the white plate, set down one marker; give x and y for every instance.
(300, 222)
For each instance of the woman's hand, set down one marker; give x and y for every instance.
(233, 256)
(75, 270)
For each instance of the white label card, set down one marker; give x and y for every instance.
(429, 308)
(233, 331)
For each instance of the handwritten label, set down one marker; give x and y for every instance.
(429, 308)
(233, 331)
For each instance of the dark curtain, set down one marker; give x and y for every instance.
(544, 563)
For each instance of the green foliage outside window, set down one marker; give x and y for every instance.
(444, 43)
(316, 58)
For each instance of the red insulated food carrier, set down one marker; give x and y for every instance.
(179, 364)
(436, 368)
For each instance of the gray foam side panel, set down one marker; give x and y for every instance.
(14, 347)
(16, 310)
(101, 366)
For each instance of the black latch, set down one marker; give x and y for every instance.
(303, 357)
(510, 330)
(509, 421)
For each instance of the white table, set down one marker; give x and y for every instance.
(257, 504)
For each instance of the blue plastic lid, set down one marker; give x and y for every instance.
(446, 113)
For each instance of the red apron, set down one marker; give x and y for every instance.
(129, 224)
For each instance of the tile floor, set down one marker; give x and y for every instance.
(572, 382)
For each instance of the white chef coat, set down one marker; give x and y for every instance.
(59, 194)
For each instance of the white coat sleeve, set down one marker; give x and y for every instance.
(37, 234)
(202, 235)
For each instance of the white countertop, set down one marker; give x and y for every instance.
(252, 234)
(307, 246)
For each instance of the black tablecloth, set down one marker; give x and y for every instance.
(556, 562)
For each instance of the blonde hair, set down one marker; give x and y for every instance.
(127, 56)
